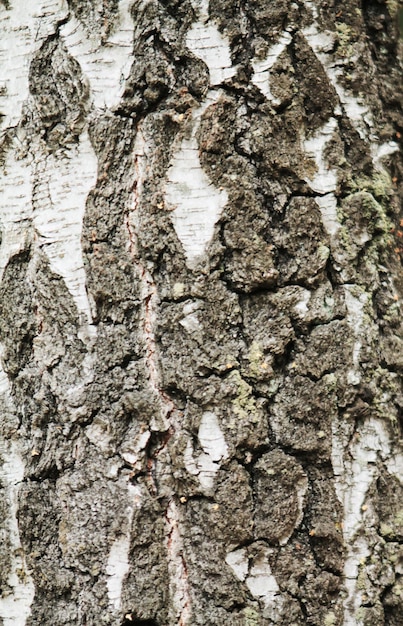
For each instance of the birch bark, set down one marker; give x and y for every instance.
(200, 313)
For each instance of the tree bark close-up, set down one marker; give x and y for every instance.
(201, 326)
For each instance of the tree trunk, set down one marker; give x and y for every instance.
(200, 313)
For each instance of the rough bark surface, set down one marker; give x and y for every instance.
(200, 313)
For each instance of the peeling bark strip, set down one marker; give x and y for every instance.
(200, 313)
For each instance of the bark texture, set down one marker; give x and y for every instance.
(200, 313)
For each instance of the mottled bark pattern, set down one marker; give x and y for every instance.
(200, 313)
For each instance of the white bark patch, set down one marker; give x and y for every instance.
(190, 321)
(178, 578)
(132, 449)
(4, 385)
(15, 54)
(357, 112)
(263, 585)
(238, 562)
(328, 208)
(207, 43)
(57, 216)
(211, 437)
(355, 313)
(257, 575)
(262, 67)
(23, 27)
(61, 192)
(117, 570)
(380, 151)
(301, 307)
(106, 65)
(322, 42)
(325, 179)
(394, 465)
(15, 207)
(215, 450)
(355, 468)
(118, 561)
(196, 203)
(214, 447)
